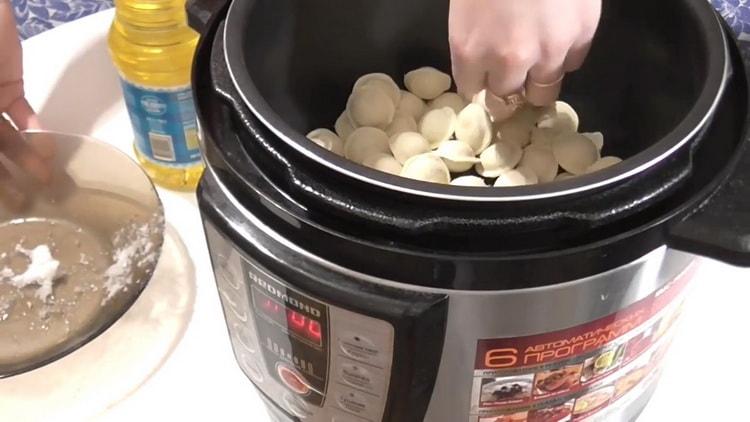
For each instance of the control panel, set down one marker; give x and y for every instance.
(315, 361)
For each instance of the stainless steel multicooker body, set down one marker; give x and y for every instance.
(351, 296)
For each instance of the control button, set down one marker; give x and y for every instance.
(227, 278)
(295, 406)
(292, 380)
(242, 335)
(230, 297)
(232, 302)
(251, 368)
(359, 348)
(353, 402)
(356, 376)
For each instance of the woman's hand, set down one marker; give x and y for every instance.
(508, 46)
(12, 100)
(34, 159)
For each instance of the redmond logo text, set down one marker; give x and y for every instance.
(284, 297)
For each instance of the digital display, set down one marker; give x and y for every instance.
(297, 323)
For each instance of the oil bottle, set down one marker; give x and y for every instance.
(152, 47)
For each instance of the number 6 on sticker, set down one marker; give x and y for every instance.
(501, 358)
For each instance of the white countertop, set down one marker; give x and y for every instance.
(170, 358)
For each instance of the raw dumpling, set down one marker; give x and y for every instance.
(401, 124)
(411, 105)
(344, 126)
(575, 153)
(497, 108)
(561, 117)
(522, 176)
(438, 125)
(408, 144)
(427, 168)
(382, 82)
(458, 156)
(597, 138)
(366, 142)
(603, 163)
(498, 158)
(383, 162)
(449, 99)
(469, 181)
(563, 176)
(518, 128)
(370, 106)
(474, 127)
(328, 140)
(543, 137)
(541, 161)
(427, 83)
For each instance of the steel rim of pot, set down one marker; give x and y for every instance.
(683, 133)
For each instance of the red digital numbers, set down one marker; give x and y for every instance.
(308, 328)
(314, 331)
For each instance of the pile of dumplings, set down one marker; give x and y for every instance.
(429, 134)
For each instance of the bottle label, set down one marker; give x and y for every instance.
(164, 123)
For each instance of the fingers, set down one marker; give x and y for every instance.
(468, 69)
(11, 195)
(468, 72)
(545, 80)
(496, 107)
(21, 113)
(24, 118)
(577, 56)
(19, 152)
(507, 75)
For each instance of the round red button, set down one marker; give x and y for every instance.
(292, 380)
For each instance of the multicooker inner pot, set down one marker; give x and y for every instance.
(352, 295)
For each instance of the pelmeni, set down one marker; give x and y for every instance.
(575, 153)
(400, 124)
(427, 168)
(522, 176)
(438, 125)
(498, 158)
(408, 144)
(383, 162)
(328, 140)
(458, 156)
(448, 99)
(561, 117)
(411, 105)
(469, 181)
(603, 163)
(427, 83)
(382, 82)
(541, 161)
(474, 127)
(370, 106)
(365, 142)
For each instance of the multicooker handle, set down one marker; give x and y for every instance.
(202, 12)
(719, 227)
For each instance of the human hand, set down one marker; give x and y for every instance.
(34, 159)
(508, 46)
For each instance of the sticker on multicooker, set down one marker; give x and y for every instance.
(582, 373)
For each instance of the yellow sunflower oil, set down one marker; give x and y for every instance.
(152, 48)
